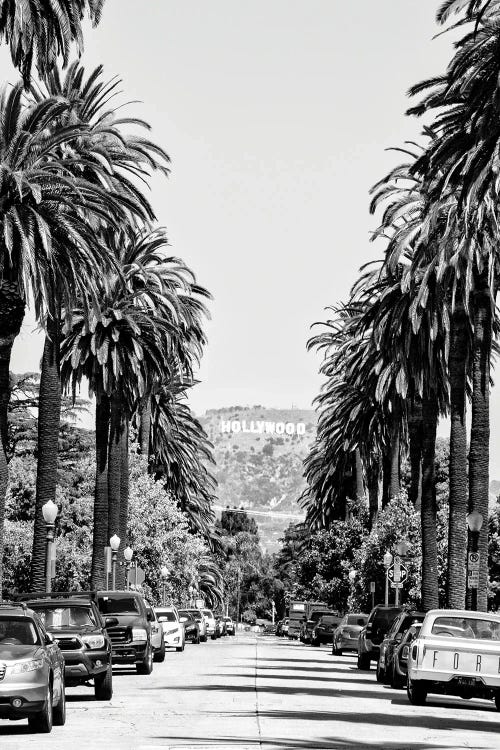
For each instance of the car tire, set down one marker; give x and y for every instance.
(315, 642)
(180, 649)
(396, 679)
(380, 673)
(159, 656)
(41, 722)
(59, 711)
(146, 665)
(103, 685)
(363, 661)
(213, 637)
(203, 638)
(336, 651)
(196, 640)
(417, 692)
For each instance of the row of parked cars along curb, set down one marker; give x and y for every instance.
(442, 651)
(52, 641)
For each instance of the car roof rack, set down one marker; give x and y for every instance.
(90, 595)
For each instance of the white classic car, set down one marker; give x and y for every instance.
(457, 652)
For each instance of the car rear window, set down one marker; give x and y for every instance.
(167, 615)
(467, 627)
(195, 614)
(17, 631)
(356, 620)
(330, 620)
(57, 617)
(385, 617)
(120, 605)
(208, 613)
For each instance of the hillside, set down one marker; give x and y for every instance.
(259, 454)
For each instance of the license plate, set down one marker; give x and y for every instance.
(466, 681)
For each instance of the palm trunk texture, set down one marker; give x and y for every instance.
(479, 452)
(124, 490)
(49, 416)
(415, 431)
(145, 427)
(373, 471)
(457, 534)
(114, 467)
(100, 538)
(428, 510)
(12, 309)
(360, 490)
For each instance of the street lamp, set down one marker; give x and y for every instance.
(128, 553)
(475, 524)
(49, 512)
(387, 564)
(164, 575)
(114, 543)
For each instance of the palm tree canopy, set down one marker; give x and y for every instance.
(40, 31)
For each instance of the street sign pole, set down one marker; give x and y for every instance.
(386, 599)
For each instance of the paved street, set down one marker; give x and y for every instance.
(251, 692)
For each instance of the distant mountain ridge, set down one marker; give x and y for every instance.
(259, 453)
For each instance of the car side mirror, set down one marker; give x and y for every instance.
(149, 616)
(49, 638)
(369, 630)
(111, 622)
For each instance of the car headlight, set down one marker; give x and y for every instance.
(139, 634)
(94, 641)
(27, 666)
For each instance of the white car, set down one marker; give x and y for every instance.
(230, 627)
(210, 620)
(457, 652)
(157, 638)
(173, 629)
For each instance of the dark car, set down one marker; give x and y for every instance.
(392, 640)
(346, 634)
(323, 630)
(309, 625)
(371, 636)
(79, 630)
(191, 626)
(197, 615)
(131, 635)
(399, 673)
(31, 670)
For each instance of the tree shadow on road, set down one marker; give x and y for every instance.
(323, 743)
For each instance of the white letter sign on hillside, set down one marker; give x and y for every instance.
(257, 427)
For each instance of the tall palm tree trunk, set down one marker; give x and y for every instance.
(145, 426)
(395, 459)
(373, 471)
(12, 309)
(415, 432)
(100, 537)
(49, 416)
(114, 466)
(428, 510)
(457, 533)
(479, 452)
(124, 492)
(360, 489)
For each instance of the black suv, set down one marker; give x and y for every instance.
(393, 638)
(371, 636)
(131, 633)
(74, 621)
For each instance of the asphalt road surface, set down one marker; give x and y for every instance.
(259, 692)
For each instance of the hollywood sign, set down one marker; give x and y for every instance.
(259, 427)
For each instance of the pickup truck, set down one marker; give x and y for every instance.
(457, 652)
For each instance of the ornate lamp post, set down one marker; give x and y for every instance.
(128, 553)
(49, 512)
(164, 575)
(114, 543)
(387, 564)
(475, 524)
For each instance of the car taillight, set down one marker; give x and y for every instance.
(404, 652)
(414, 652)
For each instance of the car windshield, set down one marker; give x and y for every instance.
(166, 615)
(57, 617)
(17, 631)
(227, 619)
(467, 627)
(356, 620)
(193, 614)
(120, 605)
(208, 613)
(329, 620)
(385, 617)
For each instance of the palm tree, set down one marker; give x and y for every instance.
(39, 31)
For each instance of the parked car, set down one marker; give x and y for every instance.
(392, 640)
(345, 635)
(372, 634)
(76, 624)
(131, 636)
(157, 636)
(190, 624)
(399, 672)
(285, 626)
(220, 626)
(210, 619)
(31, 670)
(308, 625)
(174, 632)
(198, 615)
(457, 652)
(323, 630)
(230, 627)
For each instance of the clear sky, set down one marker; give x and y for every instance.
(276, 114)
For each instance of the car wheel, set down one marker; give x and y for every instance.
(103, 685)
(335, 651)
(417, 692)
(146, 665)
(213, 637)
(42, 721)
(315, 642)
(59, 711)
(181, 648)
(380, 673)
(159, 656)
(396, 679)
(203, 638)
(363, 661)
(196, 640)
